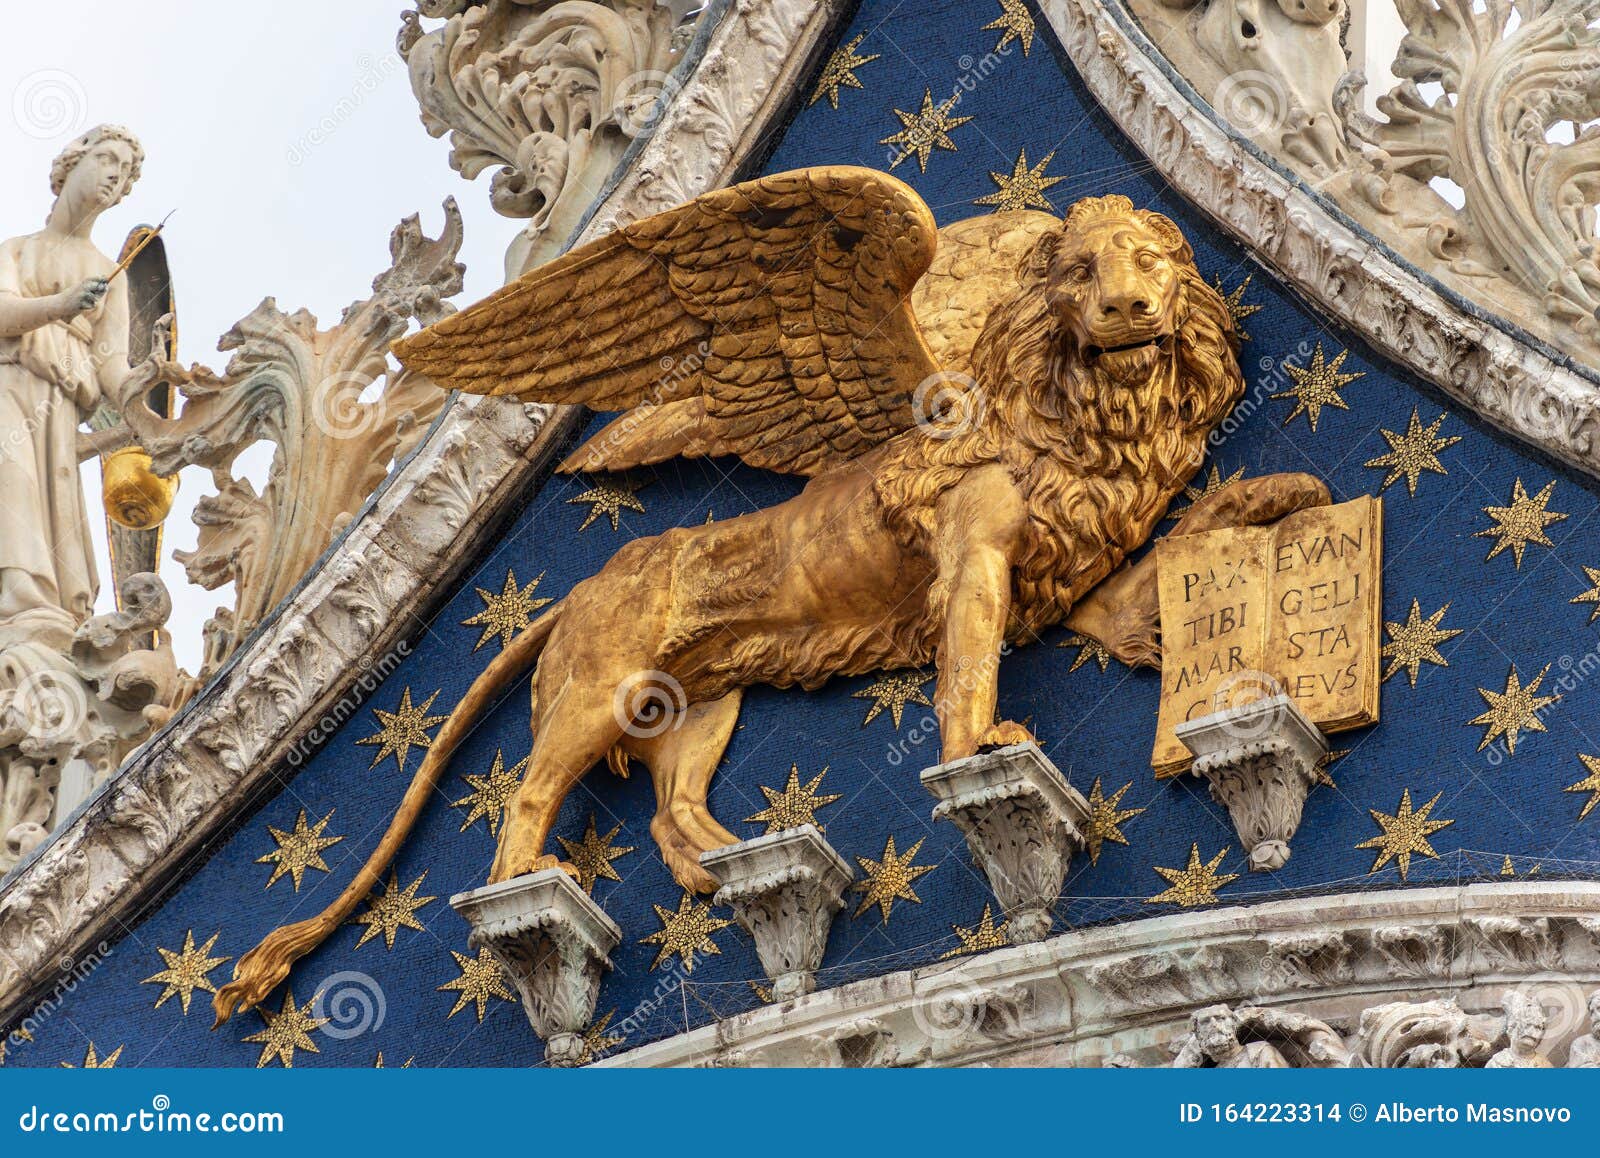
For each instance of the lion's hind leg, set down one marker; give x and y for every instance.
(570, 737)
(682, 758)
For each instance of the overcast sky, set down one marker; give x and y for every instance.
(278, 192)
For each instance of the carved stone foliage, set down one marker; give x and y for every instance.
(1023, 823)
(785, 889)
(1271, 67)
(551, 91)
(554, 943)
(1261, 761)
(328, 399)
(1279, 984)
(1493, 98)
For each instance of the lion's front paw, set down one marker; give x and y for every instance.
(1003, 735)
(508, 867)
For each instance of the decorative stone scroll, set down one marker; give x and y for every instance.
(1023, 823)
(551, 91)
(555, 943)
(785, 888)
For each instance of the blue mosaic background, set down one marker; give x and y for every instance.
(1092, 723)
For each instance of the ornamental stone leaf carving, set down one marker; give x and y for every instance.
(332, 405)
(551, 93)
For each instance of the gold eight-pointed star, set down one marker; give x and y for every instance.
(1416, 641)
(286, 1031)
(924, 130)
(1195, 884)
(391, 911)
(1316, 386)
(685, 932)
(403, 729)
(1023, 187)
(1106, 818)
(1590, 783)
(1404, 833)
(840, 72)
(298, 850)
(1413, 452)
(890, 879)
(187, 969)
(507, 613)
(609, 499)
(894, 691)
(481, 978)
(491, 792)
(1521, 523)
(981, 937)
(592, 856)
(1015, 22)
(1513, 710)
(795, 805)
(1237, 308)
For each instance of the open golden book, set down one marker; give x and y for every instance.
(1294, 607)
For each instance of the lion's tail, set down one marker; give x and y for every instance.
(260, 971)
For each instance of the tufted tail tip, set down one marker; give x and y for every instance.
(264, 968)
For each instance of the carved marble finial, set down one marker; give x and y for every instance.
(1023, 823)
(1261, 759)
(784, 889)
(554, 943)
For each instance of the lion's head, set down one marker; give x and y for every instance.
(1102, 374)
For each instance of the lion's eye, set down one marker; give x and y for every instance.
(1079, 272)
(1146, 260)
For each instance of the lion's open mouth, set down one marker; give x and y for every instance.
(1159, 341)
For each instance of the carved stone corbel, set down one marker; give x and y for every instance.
(1023, 823)
(554, 942)
(1261, 761)
(785, 889)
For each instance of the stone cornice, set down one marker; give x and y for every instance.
(308, 667)
(1085, 996)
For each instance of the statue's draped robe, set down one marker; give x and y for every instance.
(48, 386)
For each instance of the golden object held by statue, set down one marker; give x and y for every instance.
(135, 496)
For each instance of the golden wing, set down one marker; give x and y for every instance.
(770, 320)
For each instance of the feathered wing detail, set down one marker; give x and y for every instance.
(770, 320)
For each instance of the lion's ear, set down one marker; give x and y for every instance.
(1171, 236)
(1037, 263)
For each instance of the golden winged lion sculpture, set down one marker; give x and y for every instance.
(991, 417)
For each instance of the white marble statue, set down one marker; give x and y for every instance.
(75, 693)
(63, 349)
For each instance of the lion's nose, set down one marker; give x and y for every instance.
(1124, 307)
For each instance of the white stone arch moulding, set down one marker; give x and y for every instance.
(307, 669)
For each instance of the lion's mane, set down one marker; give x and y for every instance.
(1097, 462)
